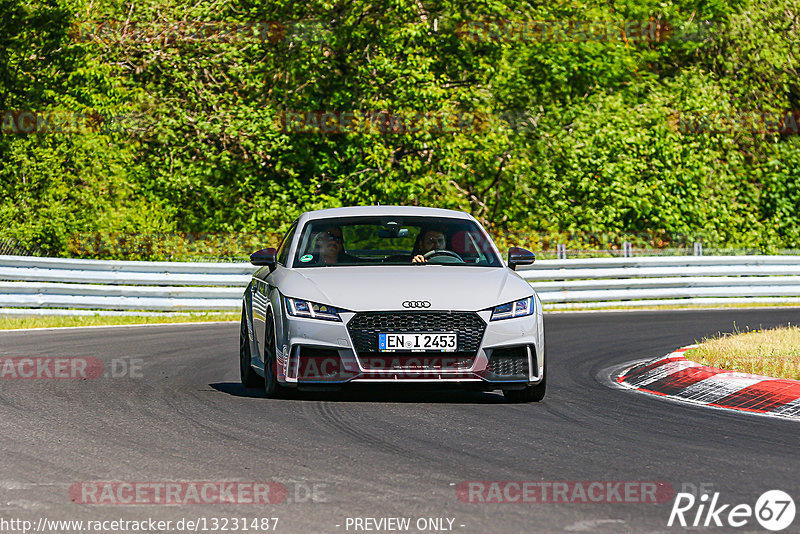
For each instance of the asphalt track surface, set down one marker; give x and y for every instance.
(382, 453)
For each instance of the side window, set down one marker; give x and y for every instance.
(283, 251)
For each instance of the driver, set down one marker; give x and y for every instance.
(330, 243)
(428, 239)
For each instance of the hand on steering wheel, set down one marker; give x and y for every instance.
(441, 252)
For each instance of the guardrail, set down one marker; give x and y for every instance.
(28, 282)
(665, 280)
(53, 283)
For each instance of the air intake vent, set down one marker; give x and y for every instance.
(509, 363)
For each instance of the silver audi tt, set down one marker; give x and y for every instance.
(395, 295)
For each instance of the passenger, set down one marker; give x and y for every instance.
(330, 245)
(428, 239)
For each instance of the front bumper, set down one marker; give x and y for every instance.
(508, 352)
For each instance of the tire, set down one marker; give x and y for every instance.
(529, 393)
(536, 393)
(248, 376)
(274, 390)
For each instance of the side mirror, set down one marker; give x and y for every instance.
(264, 257)
(519, 256)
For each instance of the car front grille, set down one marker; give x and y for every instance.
(365, 327)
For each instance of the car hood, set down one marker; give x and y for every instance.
(446, 287)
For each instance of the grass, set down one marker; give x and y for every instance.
(774, 352)
(55, 321)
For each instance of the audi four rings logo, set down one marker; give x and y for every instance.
(416, 304)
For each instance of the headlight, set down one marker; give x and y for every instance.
(304, 308)
(520, 308)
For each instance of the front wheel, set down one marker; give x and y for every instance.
(248, 376)
(527, 394)
(272, 387)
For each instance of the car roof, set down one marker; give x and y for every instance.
(382, 211)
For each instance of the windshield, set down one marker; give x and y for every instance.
(412, 241)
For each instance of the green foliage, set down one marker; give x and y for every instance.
(542, 136)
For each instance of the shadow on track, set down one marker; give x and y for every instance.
(238, 390)
(374, 393)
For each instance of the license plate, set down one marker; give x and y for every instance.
(428, 342)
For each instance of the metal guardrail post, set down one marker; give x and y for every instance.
(698, 249)
(627, 249)
(561, 251)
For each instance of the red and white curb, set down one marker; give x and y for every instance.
(676, 377)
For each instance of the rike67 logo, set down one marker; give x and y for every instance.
(774, 510)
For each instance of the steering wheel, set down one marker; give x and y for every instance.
(442, 252)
